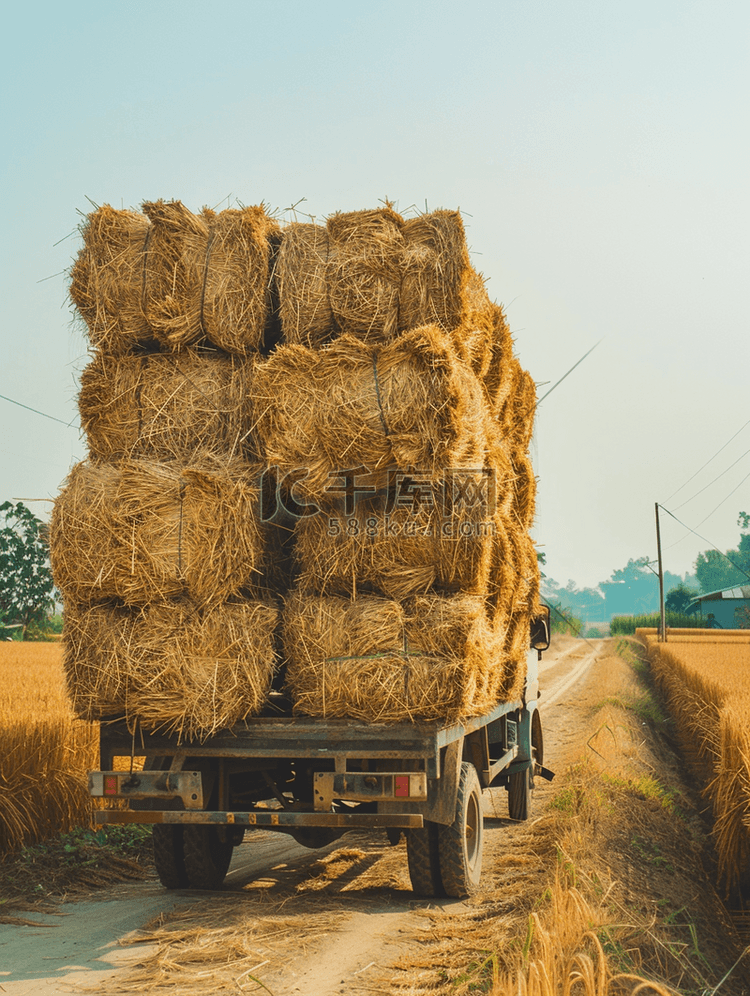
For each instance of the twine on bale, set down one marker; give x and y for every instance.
(173, 667)
(142, 531)
(207, 276)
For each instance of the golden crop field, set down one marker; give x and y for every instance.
(705, 678)
(44, 752)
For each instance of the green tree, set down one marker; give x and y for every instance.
(26, 586)
(716, 570)
(678, 599)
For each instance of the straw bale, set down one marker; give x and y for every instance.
(94, 673)
(401, 549)
(301, 277)
(435, 264)
(172, 667)
(107, 279)
(524, 486)
(504, 568)
(461, 627)
(498, 376)
(143, 531)
(434, 657)
(473, 338)
(353, 659)
(364, 272)
(174, 271)
(410, 404)
(517, 641)
(167, 405)
(235, 298)
(516, 416)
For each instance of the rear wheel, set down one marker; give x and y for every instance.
(423, 855)
(208, 851)
(169, 855)
(461, 844)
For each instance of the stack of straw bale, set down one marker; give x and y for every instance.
(395, 378)
(157, 544)
(397, 363)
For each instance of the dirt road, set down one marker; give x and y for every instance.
(349, 904)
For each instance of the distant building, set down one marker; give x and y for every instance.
(723, 605)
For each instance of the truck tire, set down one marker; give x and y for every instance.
(169, 855)
(461, 843)
(521, 783)
(519, 794)
(423, 855)
(207, 856)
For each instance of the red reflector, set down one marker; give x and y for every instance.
(402, 785)
(110, 784)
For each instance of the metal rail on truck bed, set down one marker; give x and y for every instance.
(428, 750)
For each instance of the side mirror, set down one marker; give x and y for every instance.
(541, 629)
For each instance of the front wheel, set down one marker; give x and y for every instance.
(461, 844)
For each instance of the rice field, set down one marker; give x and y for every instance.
(44, 751)
(705, 678)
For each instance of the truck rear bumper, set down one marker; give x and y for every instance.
(274, 819)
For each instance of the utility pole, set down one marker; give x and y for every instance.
(663, 633)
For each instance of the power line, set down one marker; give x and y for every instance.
(724, 499)
(566, 374)
(715, 479)
(712, 545)
(708, 461)
(37, 412)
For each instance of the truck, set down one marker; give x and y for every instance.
(318, 779)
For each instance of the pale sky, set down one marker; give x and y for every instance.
(598, 150)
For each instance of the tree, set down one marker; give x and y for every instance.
(678, 599)
(26, 586)
(716, 570)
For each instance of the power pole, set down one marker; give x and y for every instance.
(662, 610)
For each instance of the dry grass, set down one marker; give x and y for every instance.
(145, 531)
(167, 405)
(173, 667)
(409, 404)
(222, 947)
(705, 677)
(44, 752)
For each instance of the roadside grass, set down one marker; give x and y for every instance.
(65, 864)
(618, 899)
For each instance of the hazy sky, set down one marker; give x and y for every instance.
(598, 150)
